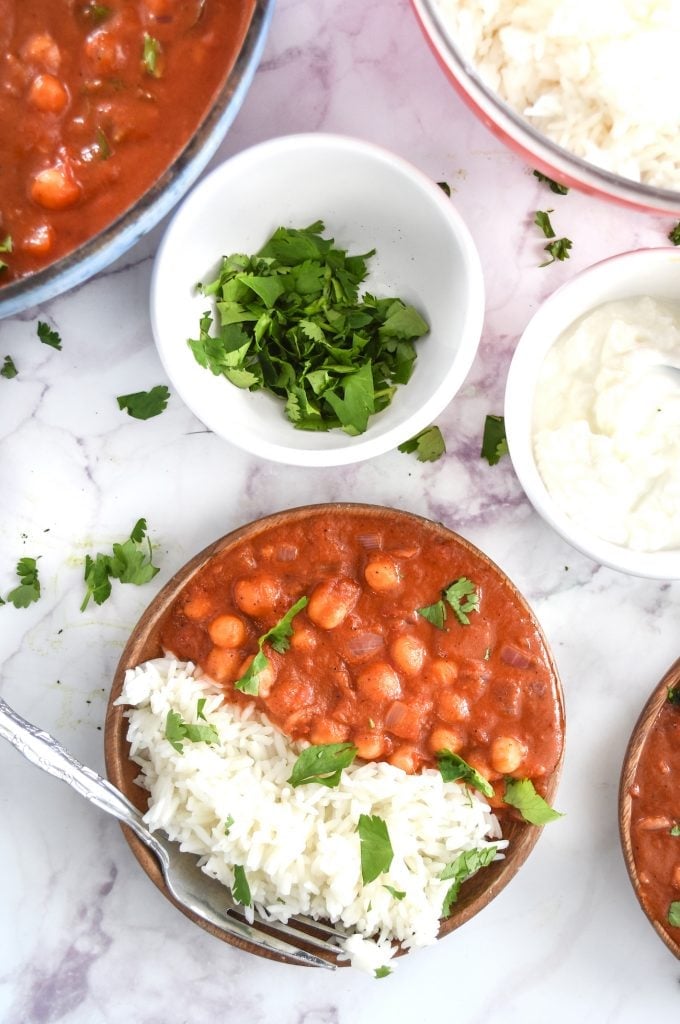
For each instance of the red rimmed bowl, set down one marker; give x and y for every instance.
(306, 525)
(533, 147)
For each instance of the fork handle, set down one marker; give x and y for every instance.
(48, 754)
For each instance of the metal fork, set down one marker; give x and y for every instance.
(189, 886)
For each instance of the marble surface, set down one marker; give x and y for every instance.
(84, 937)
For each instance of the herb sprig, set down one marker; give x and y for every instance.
(494, 441)
(322, 763)
(461, 596)
(28, 590)
(462, 868)
(277, 637)
(142, 405)
(129, 562)
(428, 445)
(177, 730)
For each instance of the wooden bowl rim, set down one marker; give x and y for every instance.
(636, 743)
(482, 888)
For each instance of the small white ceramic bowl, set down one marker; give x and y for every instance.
(652, 272)
(367, 198)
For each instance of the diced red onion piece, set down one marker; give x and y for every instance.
(511, 656)
(363, 644)
(395, 714)
(287, 553)
(369, 540)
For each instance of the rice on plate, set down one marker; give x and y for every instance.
(601, 79)
(299, 848)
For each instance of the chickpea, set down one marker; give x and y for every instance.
(654, 824)
(332, 601)
(42, 49)
(408, 653)
(405, 720)
(451, 739)
(478, 761)
(327, 730)
(48, 94)
(452, 706)
(222, 665)
(379, 682)
(675, 877)
(104, 52)
(227, 631)
(198, 607)
(370, 745)
(303, 638)
(39, 240)
(442, 672)
(406, 758)
(55, 188)
(382, 573)
(507, 754)
(256, 595)
(266, 678)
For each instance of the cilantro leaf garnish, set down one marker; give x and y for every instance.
(289, 320)
(240, 890)
(151, 55)
(323, 764)
(454, 768)
(48, 335)
(674, 234)
(200, 705)
(103, 144)
(429, 445)
(382, 972)
(278, 637)
(675, 829)
(28, 590)
(462, 868)
(520, 793)
(396, 893)
(674, 914)
(142, 405)
(554, 186)
(129, 562)
(9, 369)
(5, 246)
(227, 825)
(434, 613)
(462, 596)
(376, 848)
(673, 695)
(97, 12)
(445, 187)
(494, 441)
(542, 218)
(177, 730)
(558, 250)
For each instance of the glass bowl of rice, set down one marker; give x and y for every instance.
(587, 94)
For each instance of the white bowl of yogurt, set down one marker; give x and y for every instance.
(592, 412)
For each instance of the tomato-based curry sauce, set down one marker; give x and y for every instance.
(364, 665)
(96, 100)
(655, 819)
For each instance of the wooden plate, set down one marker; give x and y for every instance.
(634, 753)
(144, 644)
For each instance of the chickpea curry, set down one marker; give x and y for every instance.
(370, 659)
(96, 101)
(655, 818)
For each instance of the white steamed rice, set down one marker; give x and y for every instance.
(299, 847)
(600, 78)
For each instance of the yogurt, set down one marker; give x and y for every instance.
(606, 423)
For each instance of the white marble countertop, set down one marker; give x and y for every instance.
(84, 936)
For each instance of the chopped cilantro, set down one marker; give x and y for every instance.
(142, 405)
(396, 893)
(177, 730)
(554, 186)
(227, 825)
(323, 764)
(96, 12)
(453, 768)
(279, 638)
(462, 596)
(494, 441)
(429, 445)
(383, 972)
(240, 890)
(542, 218)
(434, 613)
(289, 320)
(129, 562)
(520, 793)
(674, 234)
(445, 187)
(462, 868)
(675, 829)
(151, 55)
(674, 914)
(48, 336)
(673, 695)
(376, 848)
(28, 590)
(103, 145)
(9, 369)
(5, 246)
(558, 250)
